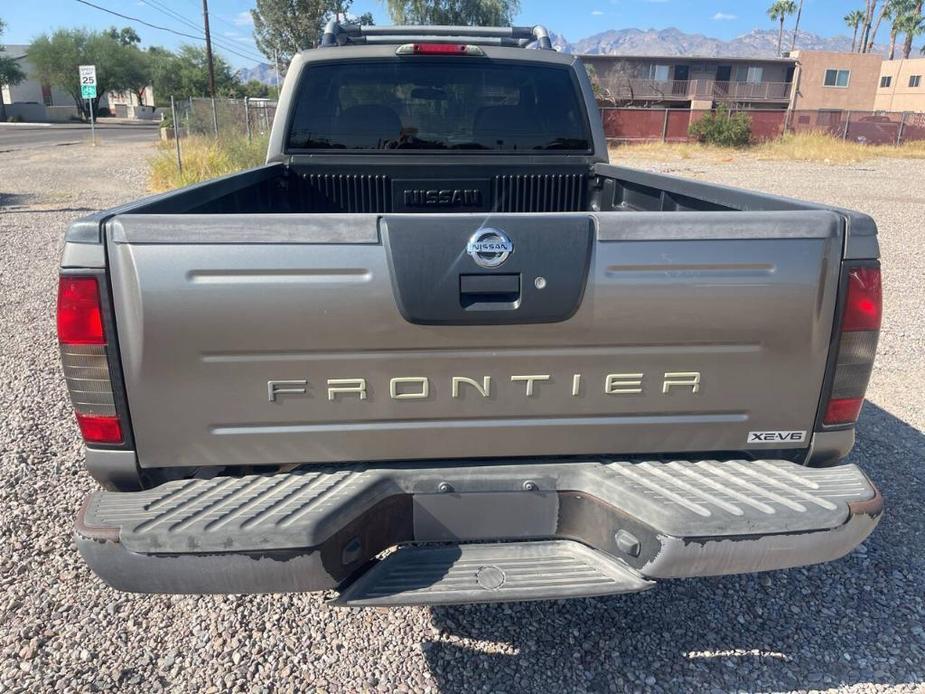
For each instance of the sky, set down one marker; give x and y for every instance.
(574, 19)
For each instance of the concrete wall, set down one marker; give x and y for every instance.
(61, 114)
(812, 94)
(31, 113)
(899, 96)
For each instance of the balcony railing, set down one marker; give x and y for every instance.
(640, 89)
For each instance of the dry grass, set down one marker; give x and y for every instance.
(812, 147)
(673, 151)
(203, 158)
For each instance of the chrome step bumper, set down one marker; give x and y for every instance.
(323, 528)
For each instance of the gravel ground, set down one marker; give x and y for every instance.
(856, 624)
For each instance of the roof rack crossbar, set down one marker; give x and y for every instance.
(337, 34)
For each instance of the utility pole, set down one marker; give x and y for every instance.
(205, 21)
(276, 65)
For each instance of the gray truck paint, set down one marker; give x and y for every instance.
(243, 318)
(204, 326)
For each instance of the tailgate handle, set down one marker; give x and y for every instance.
(489, 292)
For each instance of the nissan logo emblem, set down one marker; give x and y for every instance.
(489, 248)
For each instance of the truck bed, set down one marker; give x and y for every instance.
(217, 310)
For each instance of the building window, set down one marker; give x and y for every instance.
(886, 81)
(659, 73)
(915, 80)
(836, 78)
(749, 73)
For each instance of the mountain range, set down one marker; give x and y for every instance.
(758, 43)
(262, 72)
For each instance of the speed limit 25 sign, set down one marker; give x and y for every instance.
(87, 81)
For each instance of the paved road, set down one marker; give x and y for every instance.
(27, 136)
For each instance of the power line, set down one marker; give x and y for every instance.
(163, 8)
(160, 7)
(141, 21)
(167, 29)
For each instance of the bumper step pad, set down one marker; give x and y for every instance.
(321, 527)
(497, 572)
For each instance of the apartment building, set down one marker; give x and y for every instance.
(834, 81)
(693, 82)
(901, 86)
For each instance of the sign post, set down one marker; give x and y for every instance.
(88, 92)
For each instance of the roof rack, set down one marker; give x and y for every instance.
(337, 34)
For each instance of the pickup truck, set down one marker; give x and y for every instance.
(438, 350)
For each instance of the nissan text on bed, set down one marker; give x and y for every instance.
(439, 350)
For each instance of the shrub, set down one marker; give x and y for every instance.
(204, 158)
(722, 128)
(16, 119)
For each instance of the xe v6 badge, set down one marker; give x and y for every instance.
(776, 437)
(489, 248)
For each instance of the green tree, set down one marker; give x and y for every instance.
(778, 12)
(853, 19)
(119, 67)
(253, 89)
(11, 73)
(126, 35)
(186, 73)
(454, 12)
(282, 28)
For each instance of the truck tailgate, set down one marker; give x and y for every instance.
(277, 339)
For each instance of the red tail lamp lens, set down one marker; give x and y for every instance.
(843, 411)
(440, 49)
(99, 428)
(864, 302)
(80, 320)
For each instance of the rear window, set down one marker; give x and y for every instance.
(423, 104)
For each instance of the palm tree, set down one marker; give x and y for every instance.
(893, 10)
(853, 19)
(778, 12)
(911, 24)
(889, 10)
(796, 26)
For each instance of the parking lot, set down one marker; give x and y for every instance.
(857, 624)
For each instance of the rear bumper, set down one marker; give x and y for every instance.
(323, 528)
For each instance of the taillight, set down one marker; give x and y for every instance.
(80, 318)
(82, 340)
(438, 49)
(857, 345)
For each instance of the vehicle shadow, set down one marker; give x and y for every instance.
(12, 200)
(857, 620)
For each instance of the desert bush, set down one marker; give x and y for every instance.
(722, 128)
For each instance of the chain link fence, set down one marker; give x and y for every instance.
(219, 118)
(222, 117)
